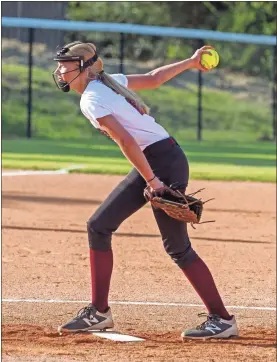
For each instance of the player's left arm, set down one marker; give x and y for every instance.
(159, 76)
(127, 144)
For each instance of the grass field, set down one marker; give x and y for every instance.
(209, 160)
(227, 114)
(233, 121)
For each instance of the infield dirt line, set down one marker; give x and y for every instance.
(62, 171)
(160, 304)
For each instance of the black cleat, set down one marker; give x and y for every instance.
(88, 319)
(214, 327)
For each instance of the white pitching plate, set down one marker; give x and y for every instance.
(118, 337)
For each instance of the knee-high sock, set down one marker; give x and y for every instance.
(201, 279)
(101, 266)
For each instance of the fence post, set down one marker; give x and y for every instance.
(274, 95)
(200, 83)
(121, 56)
(30, 65)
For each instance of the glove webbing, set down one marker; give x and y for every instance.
(194, 201)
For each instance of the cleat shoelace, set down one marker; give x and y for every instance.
(210, 319)
(86, 312)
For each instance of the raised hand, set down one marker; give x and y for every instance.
(196, 57)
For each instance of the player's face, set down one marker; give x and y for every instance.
(66, 71)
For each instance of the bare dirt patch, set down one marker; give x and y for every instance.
(45, 256)
(36, 341)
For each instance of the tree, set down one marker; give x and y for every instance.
(239, 17)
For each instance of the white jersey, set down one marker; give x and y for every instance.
(98, 101)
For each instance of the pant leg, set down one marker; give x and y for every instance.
(175, 239)
(122, 202)
(171, 168)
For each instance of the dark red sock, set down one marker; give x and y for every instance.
(201, 279)
(101, 266)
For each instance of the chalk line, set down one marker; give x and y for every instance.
(62, 171)
(117, 302)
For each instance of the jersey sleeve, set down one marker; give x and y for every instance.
(121, 78)
(93, 110)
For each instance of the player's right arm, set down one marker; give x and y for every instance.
(159, 76)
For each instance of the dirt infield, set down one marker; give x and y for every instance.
(45, 256)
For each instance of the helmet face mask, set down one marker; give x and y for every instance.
(61, 57)
(61, 84)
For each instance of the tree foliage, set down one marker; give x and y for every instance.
(239, 17)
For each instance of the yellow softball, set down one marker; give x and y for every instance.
(210, 61)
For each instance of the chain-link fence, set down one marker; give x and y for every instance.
(233, 104)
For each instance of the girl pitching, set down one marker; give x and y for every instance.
(112, 106)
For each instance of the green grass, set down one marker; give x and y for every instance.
(231, 127)
(209, 160)
(56, 115)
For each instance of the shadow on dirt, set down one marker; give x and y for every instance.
(6, 196)
(134, 235)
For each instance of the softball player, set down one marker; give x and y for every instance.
(112, 106)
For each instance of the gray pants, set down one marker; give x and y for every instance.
(170, 165)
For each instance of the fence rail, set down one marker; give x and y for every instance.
(138, 29)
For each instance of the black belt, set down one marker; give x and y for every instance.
(160, 146)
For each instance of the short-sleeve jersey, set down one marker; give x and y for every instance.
(99, 100)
